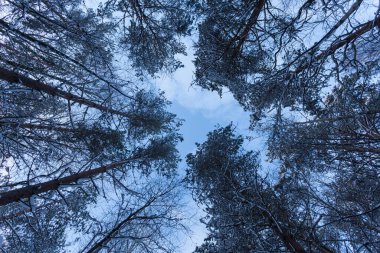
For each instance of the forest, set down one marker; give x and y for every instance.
(89, 149)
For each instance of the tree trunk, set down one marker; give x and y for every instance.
(28, 191)
(46, 127)
(14, 77)
(286, 237)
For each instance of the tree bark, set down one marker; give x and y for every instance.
(366, 27)
(286, 236)
(251, 22)
(46, 127)
(14, 77)
(28, 191)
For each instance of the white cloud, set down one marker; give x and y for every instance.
(178, 89)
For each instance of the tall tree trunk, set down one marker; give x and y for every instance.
(251, 23)
(14, 77)
(28, 191)
(364, 28)
(286, 236)
(47, 127)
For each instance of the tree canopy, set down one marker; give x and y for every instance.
(88, 152)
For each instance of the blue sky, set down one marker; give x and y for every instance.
(201, 111)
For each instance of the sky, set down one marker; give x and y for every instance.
(201, 111)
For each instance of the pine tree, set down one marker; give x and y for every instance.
(301, 212)
(74, 133)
